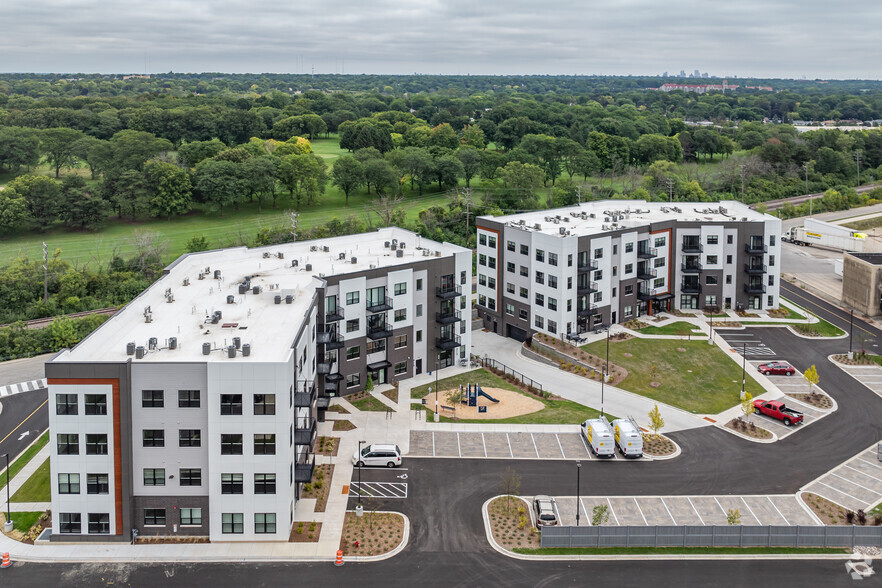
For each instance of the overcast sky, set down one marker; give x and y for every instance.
(772, 38)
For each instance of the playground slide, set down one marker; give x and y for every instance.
(484, 394)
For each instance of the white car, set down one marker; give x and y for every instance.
(546, 510)
(377, 455)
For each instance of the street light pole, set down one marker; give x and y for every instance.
(850, 331)
(437, 363)
(604, 370)
(359, 510)
(578, 499)
(743, 367)
(8, 525)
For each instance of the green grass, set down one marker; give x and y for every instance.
(37, 488)
(555, 411)
(867, 223)
(677, 328)
(23, 521)
(822, 328)
(702, 379)
(328, 149)
(876, 512)
(792, 314)
(677, 550)
(24, 458)
(369, 403)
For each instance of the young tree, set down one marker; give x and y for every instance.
(811, 377)
(388, 208)
(13, 211)
(733, 517)
(656, 422)
(509, 485)
(58, 146)
(599, 515)
(347, 173)
(747, 405)
(196, 244)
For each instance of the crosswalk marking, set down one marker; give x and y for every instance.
(379, 489)
(755, 350)
(11, 389)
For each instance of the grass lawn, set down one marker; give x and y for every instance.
(369, 403)
(24, 458)
(37, 488)
(677, 550)
(867, 223)
(555, 411)
(677, 328)
(702, 379)
(23, 521)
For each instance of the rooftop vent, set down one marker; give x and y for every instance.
(139, 352)
(231, 352)
(289, 299)
(231, 299)
(399, 253)
(562, 230)
(277, 299)
(172, 342)
(206, 348)
(246, 350)
(130, 348)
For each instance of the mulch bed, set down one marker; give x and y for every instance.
(337, 408)
(616, 373)
(327, 445)
(375, 532)
(658, 445)
(833, 514)
(319, 486)
(857, 359)
(511, 524)
(303, 532)
(343, 425)
(815, 399)
(392, 395)
(749, 429)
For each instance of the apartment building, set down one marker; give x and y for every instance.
(193, 410)
(569, 270)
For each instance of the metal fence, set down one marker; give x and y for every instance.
(711, 536)
(492, 364)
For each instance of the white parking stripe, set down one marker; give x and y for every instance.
(4, 391)
(864, 473)
(536, 449)
(433, 443)
(585, 445)
(484, 443)
(840, 492)
(458, 447)
(581, 506)
(562, 454)
(779, 512)
(667, 509)
(696, 510)
(613, 511)
(753, 514)
(641, 511)
(510, 452)
(721, 507)
(870, 490)
(874, 464)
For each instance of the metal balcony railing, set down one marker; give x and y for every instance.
(379, 330)
(334, 314)
(304, 431)
(690, 288)
(447, 292)
(330, 339)
(647, 252)
(379, 305)
(692, 247)
(646, 273)
(447, 342)
(446, 317)
(305, 394)
(691, 268)
(754, 248)
(755, 288)
(587, 266)
(304, 468)
(586, 287)
(755, 268)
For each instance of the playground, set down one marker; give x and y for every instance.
(478, 402)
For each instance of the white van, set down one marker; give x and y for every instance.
(599, 436)
(628, 437)
(377, 455)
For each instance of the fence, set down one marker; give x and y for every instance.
(711, 536)
(492, 364)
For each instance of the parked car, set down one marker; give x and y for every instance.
(776, 368)
(546, 510)
(377, 455)
(599, 436)
(777, 410)
(628, 437)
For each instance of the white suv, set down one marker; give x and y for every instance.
(378, 455)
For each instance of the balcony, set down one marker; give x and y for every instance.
(330, 339)
(691, 247)
(586, 287)
(379, 305)
(448, 292)
(379, 330)
(755, 248)
(447, 342)
(304, 431)
(587, 266)
(755, 268)
(330, 387)
(690, 288)
(647, 252)
(646, 273)
(691, 268)
(304, 468)
(448, 317)
(587, 311)
(334, 314)
(646, 293)
(305, 394)
(755, 288)
(324, 367)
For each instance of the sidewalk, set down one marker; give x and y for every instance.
(21, 477)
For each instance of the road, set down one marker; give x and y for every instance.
(796, 200)
(23, 418)
(863, 332)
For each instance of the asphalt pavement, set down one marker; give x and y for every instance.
(23, 418)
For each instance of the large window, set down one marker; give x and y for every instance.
(96, 444)
(264, 444)
(154, 517)
(353, 380)
(188, 398)
(231, 443)
(264, 404)
(400, 341)
(68, 444)
(153, 437)
(400, 288)
(189, 438)
(190, 477)
(66, 404)
(552, 259)
(400, 368)
(264, 522)
(152, 398)
(191, 517)
(232, 523)
(376, 346)
(231, 404)
(264, 483)
(351, 325)
(99, 523)
(231, 484)
(540, 255)
(95, 404)
(352, 297)
(154, 476)
(68, 483)
(353, 352)
(97, 484)
(70, 522)
(400, 315)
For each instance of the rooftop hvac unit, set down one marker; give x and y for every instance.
(201, 276)
(232, 299)
(394, 242)
(562, 230)
(566, 219)
(130, 348)
(151, 343)
(266, 254)
(537, 226)
(280, 255)
(172, 342)
(293, 263)
(217, 274)
(231, 352)
(139, 352)
(244, 287)
(256, 290)
(326, 248)
(309, 267)
(373, 266)
(401, 245)
(206, 348)
(394, 245)
(186, 282)
(387, 244)
(437, 254)
(606, 219)
(399, 253)
(426, 253)
(341, 256)
(246, 350)
(592, 215)
(313, 247)
(354, 260)
(522, 222)
(289, 299)
(237, 342)
(277, 299)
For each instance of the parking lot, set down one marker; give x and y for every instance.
(868, 375)
(500, 445)
(856, 484)
(688, 510)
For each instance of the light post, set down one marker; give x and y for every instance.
(359, 509)
(850, 333)
(578, 499)
(603, 371)
(710, 341)
(8, 526)
(743, 367)
(437, 363)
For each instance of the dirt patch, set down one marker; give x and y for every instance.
(681, 349)
(511, 524)
(857, 359)
(319, 486)
(654, 384)
(749, 429)
(392, 395)
(626, 354)
(510, 404)
(338, 408)
(658, 445)
(327, 445)
(833, 514)
(371, 534)
(303, 532)
(814, 399)
(343, 425)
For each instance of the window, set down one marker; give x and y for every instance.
(153, 437)
(629, 247)
(462, 275)
(264, 483)
(191, 516)
(482, 238)
(522, 314)
(97, 484)
(540, 278)
(552, 259)
(615, 249)
(152, 398)
(598, 275)
(711, 280)
(231, 484)
(539, 322)
(264, 404)
(729, 259)
(598, 253)
(400, 368)
(68, 444)
(419, 284)
(712, 260)
(400, 341)
(353, 380)
(190, 476)
(352, 297)
(70, 522)
(96, 444)
(400, 288)
(659, 241)
(629, 268)
(552, 326)
(400, 315)
(770, 300)
(482, 259)
(540, 255)
(510, 245)
(524, 271)
(231, 404)
(629, 289)
(771, 280)
(264, 444)
(264, 522)
(509, 309)
(523, 293)
(771, 260)
(154, 517)
(729, 279)
(629, 310)
(658, 283)
(491, 263)
(509, 266)
(188, 399)
(99, 523)
(659, 262)
(376, 346)
(615, 270)
(231, 443)
(710, 300)
(68, 483)
(540, 300)
(509, 288)
(65, 404)
(419, 310)
(482, 300)
(491, 283)
(232, 523)
(552, 303)
(569, 283)
(729, 239)
(525, 250)
(353, 352)
(419, 336)
(713, 239)
(598, 297)
(772, 244)
(189, 438)
(491, 242)
(154, 476)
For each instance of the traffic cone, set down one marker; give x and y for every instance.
(338, 562)
(6, 561)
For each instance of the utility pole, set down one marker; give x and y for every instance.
(45, 273)
(741, 171)
(579, 194)
(743, 368)
(670, 190)
(857, 158)
(806, 166)
(468, 202)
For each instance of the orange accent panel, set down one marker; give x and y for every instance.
(709, 420)
(345, 488)
(117, 434)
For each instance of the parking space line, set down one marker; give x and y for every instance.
(581, 506)
(484, 443)
(874, 464)
(696, 510)
(585, 445)
(786, 520)
(641, 511)
(841, 492)
(433, 443)
(510, 452)
(562, 454)
(667, 509)
(613, 511)
(870, 490)
(753, 514)
(725, 514)
(458, 447)
(533, 439)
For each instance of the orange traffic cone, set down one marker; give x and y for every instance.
(338, 562)
(6, 561)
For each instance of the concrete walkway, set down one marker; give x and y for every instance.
(22, 476)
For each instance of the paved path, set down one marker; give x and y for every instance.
(23, 370)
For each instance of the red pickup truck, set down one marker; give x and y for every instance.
(777, 410)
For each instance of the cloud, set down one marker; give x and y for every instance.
(749, 37)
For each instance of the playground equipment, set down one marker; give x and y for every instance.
(470, 397)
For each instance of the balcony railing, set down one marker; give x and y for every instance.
(690, 288)
(447, 342)
(587, 311)
(647, 252)
(646, 293)
(586, 287)
(325, 366)
(330, 339)
(379, 305)
(646, 273)
(304, 468)
(304, 431)
(691, 268)
(447, 317)
(695, 247)
(447, 292)
(755, 248)
(755, 268)
(755, 288)
(379, 330)
(305, 394)
(587, 266)
(334, 314)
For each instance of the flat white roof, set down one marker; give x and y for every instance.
(600, 216)
(256, 319)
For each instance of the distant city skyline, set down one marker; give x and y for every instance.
(750, 38)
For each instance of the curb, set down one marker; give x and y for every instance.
(677, 451)
(799, 497)
(795, 333)
(405, 537)
(743, 436)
